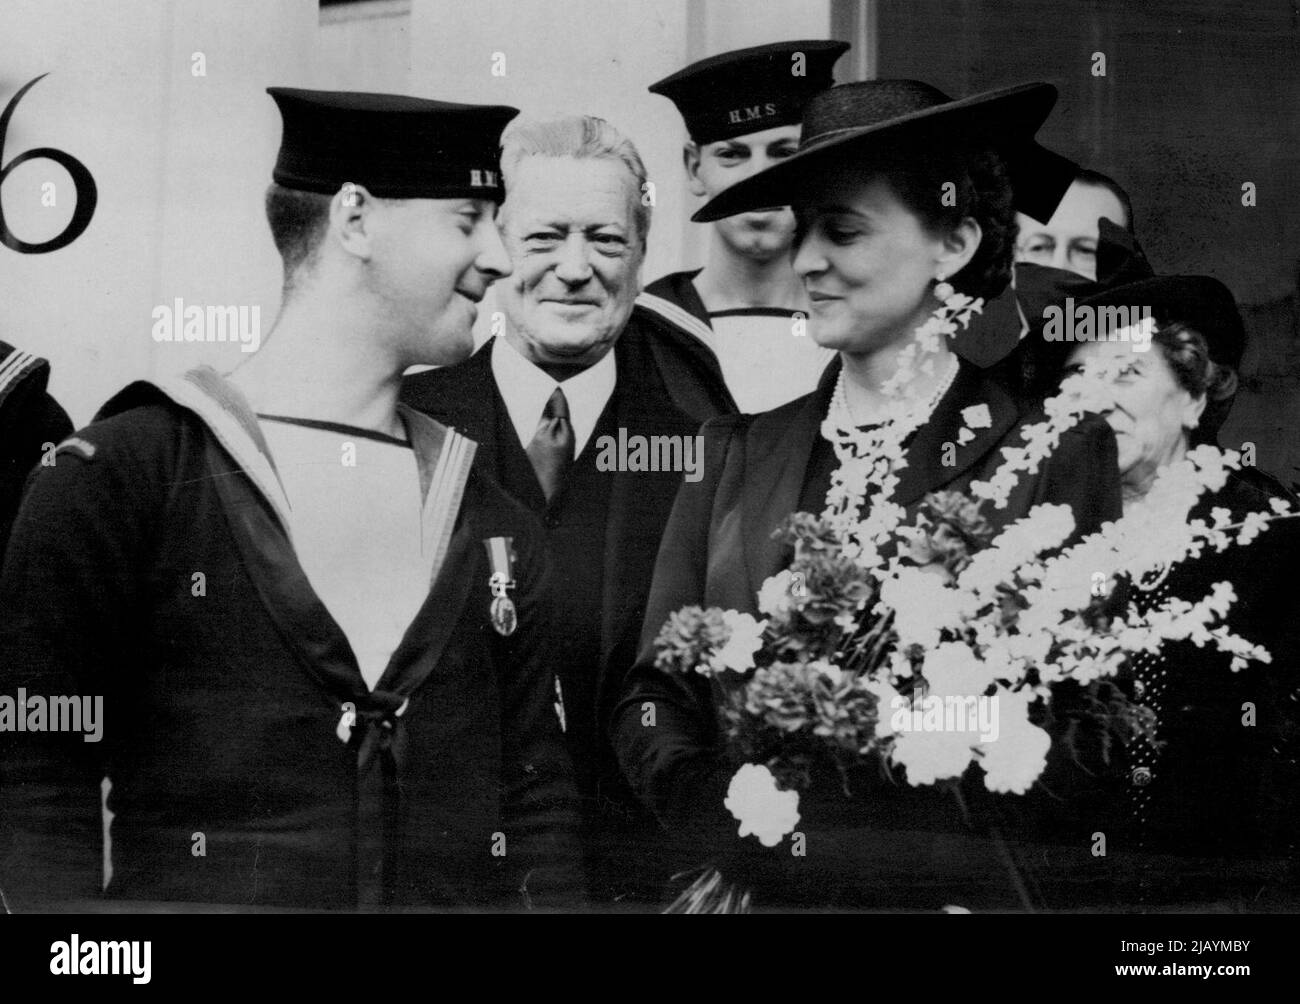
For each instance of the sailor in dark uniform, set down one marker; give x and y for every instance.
(31, 424)
(317, 626)
(742, 112)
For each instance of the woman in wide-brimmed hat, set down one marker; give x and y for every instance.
(906, 204)
(1207, 811)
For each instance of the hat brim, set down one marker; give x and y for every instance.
(1200, 301)
(1170, 292)
(1006, 117)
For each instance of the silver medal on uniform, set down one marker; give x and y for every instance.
(502, 611)
(344, 728)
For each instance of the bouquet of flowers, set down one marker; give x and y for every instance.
(932, 643)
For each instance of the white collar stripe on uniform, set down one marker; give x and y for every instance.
(676, 315)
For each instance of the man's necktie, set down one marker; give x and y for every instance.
(551, 450)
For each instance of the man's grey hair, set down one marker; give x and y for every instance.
(582, 137)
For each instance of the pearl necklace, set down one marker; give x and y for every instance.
(842, 415)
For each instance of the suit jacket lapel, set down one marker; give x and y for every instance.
(776, 464)
(642, 407)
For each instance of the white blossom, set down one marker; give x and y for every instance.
(764, 810)
(951, 668)
(1014, 760)
(745, 639)
(1043, 528)
(774, 598)
(930, 756)
(923, 606)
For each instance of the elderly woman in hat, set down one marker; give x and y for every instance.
(1203, 811)
(905, 202)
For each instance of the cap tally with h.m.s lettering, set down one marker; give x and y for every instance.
(395, 146)
(749, 90)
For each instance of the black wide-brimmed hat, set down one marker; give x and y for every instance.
(1202, 302)
(856, 118)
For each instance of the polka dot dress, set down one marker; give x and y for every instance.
(1150, 675)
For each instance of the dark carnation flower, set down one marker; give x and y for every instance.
(687, 638)
(954, 529)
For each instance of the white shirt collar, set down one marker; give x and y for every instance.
(526, 389)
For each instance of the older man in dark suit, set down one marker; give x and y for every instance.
(580, 374)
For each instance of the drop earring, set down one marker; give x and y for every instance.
(943, 290)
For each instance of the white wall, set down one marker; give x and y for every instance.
(366, 46)
(180, 163)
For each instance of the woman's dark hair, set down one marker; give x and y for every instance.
(1187, 352)
(298, 222)
(921, 173)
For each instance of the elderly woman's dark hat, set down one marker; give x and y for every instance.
(854, 119)
(1126, 279)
